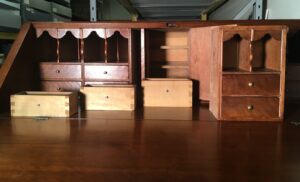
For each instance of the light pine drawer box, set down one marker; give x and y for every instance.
(167, 92)
(109, 97)
(43, 104)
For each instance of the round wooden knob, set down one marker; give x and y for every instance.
(105, 72)
(38, 105)
(250, 84)
(58, 71)
(107, 97)
(167, 90)
(58, 89)
(250, 107)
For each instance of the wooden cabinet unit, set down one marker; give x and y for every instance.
(74, 57)
(248, 72)
(165, 68)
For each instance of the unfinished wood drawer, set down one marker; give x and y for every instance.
(96, 72)
(109, 97)
(43, 104)
(250, 108)
(167, 92)
(61, 71)
(251, 84)
(57, 86)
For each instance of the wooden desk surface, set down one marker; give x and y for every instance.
(194, 147)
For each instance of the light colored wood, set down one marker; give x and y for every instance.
(167, 92)
(43, 104)
(106, 97)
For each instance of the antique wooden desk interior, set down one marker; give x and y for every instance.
(147, 143)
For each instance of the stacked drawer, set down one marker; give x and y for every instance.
(250, 96)
(60, 76)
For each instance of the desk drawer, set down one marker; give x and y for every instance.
(57, 86)
(95, 72)
(60, 71)
(240, 84)
(167, 92)
(250, 108)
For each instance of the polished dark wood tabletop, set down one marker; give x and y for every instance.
(152, 145)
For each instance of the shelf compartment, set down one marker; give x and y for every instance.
(47, 48)
(236, 54)
(117, 48)
(94, 48)
(266, 52)
(69, 48)
(170, 69)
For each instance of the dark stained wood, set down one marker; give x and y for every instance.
(60, 71)
(128, 148)
(20, 69)
(251, 84)
(250, 108)
(60, 86)
(101, 72)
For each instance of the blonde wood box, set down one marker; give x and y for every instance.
(165, 92)
(43, 104)
(109, 97)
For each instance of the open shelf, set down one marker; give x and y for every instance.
(236, 54)
(46, 48)
(94, 49)
(117, 48)
(167, 53)
(69, 47)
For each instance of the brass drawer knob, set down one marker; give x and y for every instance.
(250, 84)
(250, 107)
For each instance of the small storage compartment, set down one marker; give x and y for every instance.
(43, 104)
(250, 108)
(251, 84)
(167, 92)
(108, 97)
(104, 72)
(166, 53)
(60, 71)
(58, 86)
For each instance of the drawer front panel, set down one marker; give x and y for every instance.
(162, 93)
(243, 108)
(93, 72)
(60, 71)
(264, 85)
(109, 98)
(55, 86)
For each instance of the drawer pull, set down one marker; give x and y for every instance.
(57, 71)
(250, 107)
(58, 89)
(105, 72)
(167, 90)
(250, 84)
(39, 105)
(107, 97)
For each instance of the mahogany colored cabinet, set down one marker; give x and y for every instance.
(75, 57)
(247, 79)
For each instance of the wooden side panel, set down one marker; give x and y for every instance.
(20, 70)
(216, 69)
(40, 104)
(109, 98)
(167, 93)
(283, 72)
(201, 58)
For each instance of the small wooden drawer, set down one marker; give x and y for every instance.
(250, 108)
(96, 72)
(57, 86)
(109, 97)
(43, 104)
(247, 84)
(167, 92)
(60, 71)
